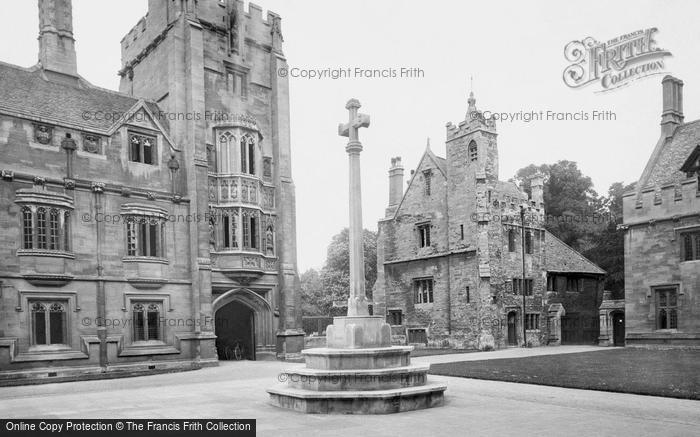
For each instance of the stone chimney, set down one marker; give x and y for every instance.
(56, 43)
(537, 189)
(395, 181)
(672, 115)
(395, 185)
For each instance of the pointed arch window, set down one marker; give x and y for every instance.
(48, 321)
(225, 153)
(248, 155)
(473, 151)
(146, 320)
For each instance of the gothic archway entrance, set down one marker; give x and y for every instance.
(235, 336)
(618, 321)
(243, 318)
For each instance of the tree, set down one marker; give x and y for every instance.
(569, 198)
(608, 249)
(311, 292)
(334, 278)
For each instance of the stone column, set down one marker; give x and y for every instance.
(357, 302)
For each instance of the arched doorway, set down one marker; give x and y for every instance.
(235, 336)
(618, 322)
(512, 329)
(244, 318)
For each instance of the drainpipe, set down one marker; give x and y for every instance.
(98, 189)
(522, 286)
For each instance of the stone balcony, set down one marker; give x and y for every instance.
(145, 272)
(46, 267)
(241, 189)
(243, 266)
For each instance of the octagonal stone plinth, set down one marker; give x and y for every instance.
(358, 373)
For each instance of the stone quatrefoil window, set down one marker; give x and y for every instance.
(146, 321)
(142, 148)
(48, 320)
(234, 154)
(145, 236)
(45, 228)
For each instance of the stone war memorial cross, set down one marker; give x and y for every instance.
(357, 301)
(359, 371)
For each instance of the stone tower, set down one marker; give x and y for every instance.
(211, 67)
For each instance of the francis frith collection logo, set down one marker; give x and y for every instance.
(614, 63)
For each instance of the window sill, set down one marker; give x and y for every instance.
(49, 353)
(45, 253)
(47, 348)
(144, 164)
(153, 347)
(145, 259)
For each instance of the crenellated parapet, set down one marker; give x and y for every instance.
(235, 23)
(665, 202)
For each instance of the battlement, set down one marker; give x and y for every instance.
(660, 203)
(212, 14)
(475, 121)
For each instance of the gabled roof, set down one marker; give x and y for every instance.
(63, 100)
(561, 258)
(440, 163)
(692, 164)
(664, 166)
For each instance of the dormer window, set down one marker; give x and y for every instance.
(142, 148)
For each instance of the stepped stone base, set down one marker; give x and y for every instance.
(358, 402)
(358, 373)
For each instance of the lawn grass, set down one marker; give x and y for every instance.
(425, 352)
(671, 373)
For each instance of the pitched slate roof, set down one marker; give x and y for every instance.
(560, 257)
(57, 99)
(509, 188)
(664, 166)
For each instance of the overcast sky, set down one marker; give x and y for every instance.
(513, 50)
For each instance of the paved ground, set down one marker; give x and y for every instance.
(473, 407)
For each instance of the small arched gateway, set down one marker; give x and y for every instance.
(244, 318)
(612, 321)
